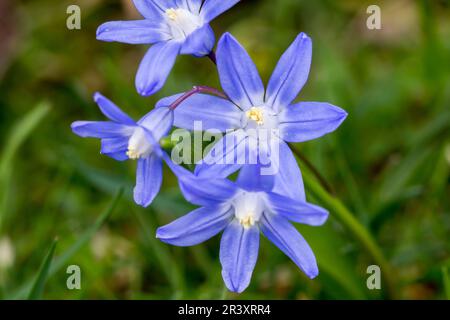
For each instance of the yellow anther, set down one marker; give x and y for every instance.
(133, 154)
(248, 221)
(172, 14)
(256, 115)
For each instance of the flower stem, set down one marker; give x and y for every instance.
(358, 231)
(195, 90)
(313, 169)
(212, 57)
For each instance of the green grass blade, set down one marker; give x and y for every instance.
(61, 261)
(20, 132)
(171, 269)
(84, 239)
(446, 280)
(38, 286)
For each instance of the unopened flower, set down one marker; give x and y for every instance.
(122, 138)
(173, 27)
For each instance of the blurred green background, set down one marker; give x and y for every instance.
(388, 164)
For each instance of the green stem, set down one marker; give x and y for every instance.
(359, 232)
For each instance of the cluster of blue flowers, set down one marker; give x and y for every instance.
(245, 112)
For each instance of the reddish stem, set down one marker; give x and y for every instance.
(195, 90)
(212, 57)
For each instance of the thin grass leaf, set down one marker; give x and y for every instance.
(38, 286)
(359, 232)
(20, 132)
(446, 280)
(171, 270)
(62, 260)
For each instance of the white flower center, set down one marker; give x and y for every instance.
(138, 145)
(248, 208)
(182, 22)
(260, 122)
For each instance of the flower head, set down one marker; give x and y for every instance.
(173, 27)
(122, 138)
(262, 120)
(243, 209)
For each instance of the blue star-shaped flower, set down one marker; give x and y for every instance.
(122, 139)
(242, 209)
(257, 120)
(173, 27)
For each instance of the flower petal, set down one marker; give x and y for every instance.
(212, 113)
(225, 157)
(115, 148)
(196, 227)
(101, 129)
(148, 180)
(283, 234)
(297, 211)
(110, 110)
(309, 120)
(288, 180)
(191, 5)
(153, 9)
(200, 42)
(133, 32)
(238, 74)
(202, 191)
(290, 74)
(156, 66)
(213, 8)
(251, 178)
(158, 121)
(238, 254)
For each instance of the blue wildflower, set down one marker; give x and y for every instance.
(261, 120)
(242, 209)
(174, 27)
(122, 138)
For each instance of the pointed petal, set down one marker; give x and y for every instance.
(297, 211)
(283, 234)
(156, 66)
(196, 227)
(200, 42)
(154, 9)
(288, 181)
(212, 113)
(110, 110)
(101, 129)
(251, 179)
(225, 157)
(115, 148)
(212, 8)
(238, 254)
(290, 74)
(148, 180)
(201, 191)
(309, 120)
(238, 74)
(133, 32)
(158, 121)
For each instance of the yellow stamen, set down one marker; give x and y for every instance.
(172, 14)
(132, 154)
(256, 115)
(248, 221)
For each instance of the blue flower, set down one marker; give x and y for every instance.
(242, 209)
(174, 27)
(122, 138)
(262, 121)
